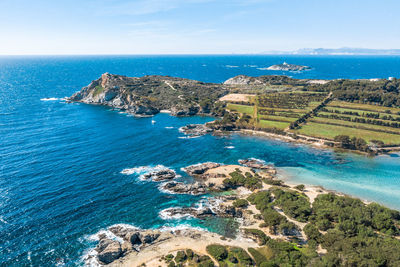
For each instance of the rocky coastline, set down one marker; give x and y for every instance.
(123, 241)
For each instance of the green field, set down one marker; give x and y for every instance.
(276, 118)
(363, 107)
(327, 131)
(363, 126)
(279, 110)
(244, 109)
(273, 124)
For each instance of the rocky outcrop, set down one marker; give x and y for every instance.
(160, 175)
(254, 164)
(109, 250)
(196, 188)
(185, 111)
(242, 80)
(195, 130)
(201, 168)
(288, 67)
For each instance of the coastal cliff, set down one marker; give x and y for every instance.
(148, 95)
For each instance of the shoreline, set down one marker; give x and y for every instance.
(177, 238)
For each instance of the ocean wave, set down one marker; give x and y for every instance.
(231, 66)
(229, 147)
(169, 127)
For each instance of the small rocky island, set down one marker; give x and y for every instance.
(288, 67)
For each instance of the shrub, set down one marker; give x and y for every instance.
(189, 253)
(258, 257)
(180, 256)
(218, 252)
(300, 187)
(240, 203)
(312, 233)
(261, 237)
(242, 255)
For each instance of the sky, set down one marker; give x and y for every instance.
(38, 27)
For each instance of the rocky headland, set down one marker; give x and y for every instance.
(148, 95)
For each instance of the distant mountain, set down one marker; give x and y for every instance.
(336, 51)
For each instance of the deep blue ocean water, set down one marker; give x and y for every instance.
(60, 163)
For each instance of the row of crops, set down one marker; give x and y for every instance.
(290, 100)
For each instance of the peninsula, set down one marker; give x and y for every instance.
(361, 115)
(279, 225)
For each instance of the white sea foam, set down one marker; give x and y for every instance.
(166, 214)
(53, 99)
(229, 147)
(180, 227)
(189, 137)
(143, 169)
(169, 127)
(231, 66)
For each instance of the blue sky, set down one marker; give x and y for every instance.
(194, 26)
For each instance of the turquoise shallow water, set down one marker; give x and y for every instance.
(60, 179)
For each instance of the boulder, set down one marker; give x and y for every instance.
(149, 236)
(108, 250)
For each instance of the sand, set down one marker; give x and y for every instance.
(236, 97)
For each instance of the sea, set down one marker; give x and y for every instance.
(61, 164)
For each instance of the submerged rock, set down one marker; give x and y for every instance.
(201, 168)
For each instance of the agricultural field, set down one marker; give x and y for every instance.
(370, 122)
(278, 111)
(243, 109)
